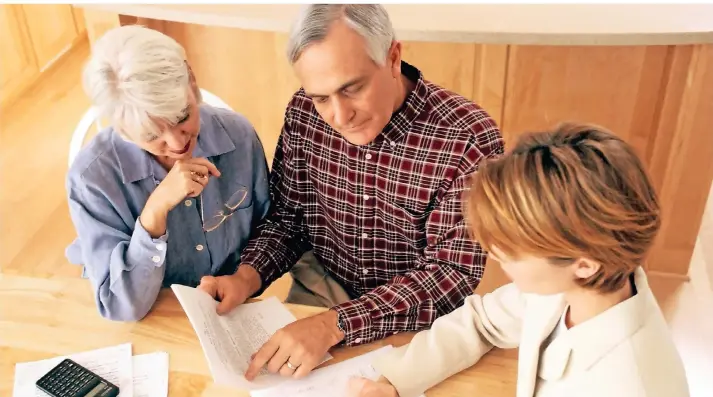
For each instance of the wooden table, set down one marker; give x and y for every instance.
(42, 318)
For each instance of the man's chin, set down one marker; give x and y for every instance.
(360, 138)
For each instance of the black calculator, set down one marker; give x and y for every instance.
(69, 379)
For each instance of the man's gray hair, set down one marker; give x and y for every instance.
(371, 21)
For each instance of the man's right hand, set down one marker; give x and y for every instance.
(232, 290)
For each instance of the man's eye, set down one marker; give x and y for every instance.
(354, 89)
(320, 99)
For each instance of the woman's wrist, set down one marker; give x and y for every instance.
(154, 220)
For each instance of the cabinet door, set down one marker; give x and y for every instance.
(79, 22)
(17, 62)
(52, 30)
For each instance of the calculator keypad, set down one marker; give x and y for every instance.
(66, 380)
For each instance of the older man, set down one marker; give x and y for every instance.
(367, 182)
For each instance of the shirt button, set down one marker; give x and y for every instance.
(160, 247)
(156, 259)
(199, 247)
(366, 197)
(392, 143)
(357, 340)
(188, 203)
(368, 156)
(365, 271)
(364, 235)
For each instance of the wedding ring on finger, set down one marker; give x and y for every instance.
(199, 175)
(291, 366)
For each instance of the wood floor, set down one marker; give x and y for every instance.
(35, 226)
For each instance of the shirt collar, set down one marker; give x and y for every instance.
(137, 164)
(583, 345)
(402, 119)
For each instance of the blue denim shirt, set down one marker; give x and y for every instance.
(108, 185)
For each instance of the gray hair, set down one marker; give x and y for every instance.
(370, 21)
(137, 76)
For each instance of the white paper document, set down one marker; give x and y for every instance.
(150, 375)
(229, 340)
(330, 381)
(112, 363)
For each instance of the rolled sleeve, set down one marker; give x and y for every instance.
(144, 247)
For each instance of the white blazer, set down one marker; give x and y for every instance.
(626, 351)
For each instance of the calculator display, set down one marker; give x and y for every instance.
(96, 390)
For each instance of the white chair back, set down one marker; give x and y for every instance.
(91, 116)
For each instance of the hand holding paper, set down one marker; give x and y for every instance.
(299, 347)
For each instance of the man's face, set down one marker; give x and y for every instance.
(353, 94)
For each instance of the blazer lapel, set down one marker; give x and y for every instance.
(542, 316)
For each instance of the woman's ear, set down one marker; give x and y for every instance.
(585, 268)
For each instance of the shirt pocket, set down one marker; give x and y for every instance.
(408, 225)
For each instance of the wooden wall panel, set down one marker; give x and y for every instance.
(490, 74)
(681, 160)
(615, 87)
(449, 65)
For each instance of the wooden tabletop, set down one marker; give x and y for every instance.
(42, 318)
(546, 24)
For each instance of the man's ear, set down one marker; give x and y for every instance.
(585, 268)
(394, 59)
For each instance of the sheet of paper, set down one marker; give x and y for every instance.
(228, 341)
(151, 375)
(112, 363)
(330, 381)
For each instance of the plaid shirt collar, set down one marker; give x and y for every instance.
(403, 118)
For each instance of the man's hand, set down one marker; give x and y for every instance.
(362, 387)
(232, 290)
(304, 343)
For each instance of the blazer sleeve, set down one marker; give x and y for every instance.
(456, 341)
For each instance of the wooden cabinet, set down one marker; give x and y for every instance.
(52, 30)
(17, 60)
(32, 38)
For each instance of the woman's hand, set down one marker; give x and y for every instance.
(362, 387)
(187, 178)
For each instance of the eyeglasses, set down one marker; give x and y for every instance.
(229, 208)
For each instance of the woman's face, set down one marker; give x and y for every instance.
(176, 142)
(537, 275)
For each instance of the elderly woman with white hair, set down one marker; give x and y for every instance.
(172, 190)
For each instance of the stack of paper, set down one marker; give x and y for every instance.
(330, 381)
(228, 341)
(144, 375)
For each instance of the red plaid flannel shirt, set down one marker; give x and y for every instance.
(384, 219)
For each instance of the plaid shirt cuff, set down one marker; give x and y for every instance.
(356, 323)
(265, 267)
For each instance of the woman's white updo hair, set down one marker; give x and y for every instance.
(138, 78)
